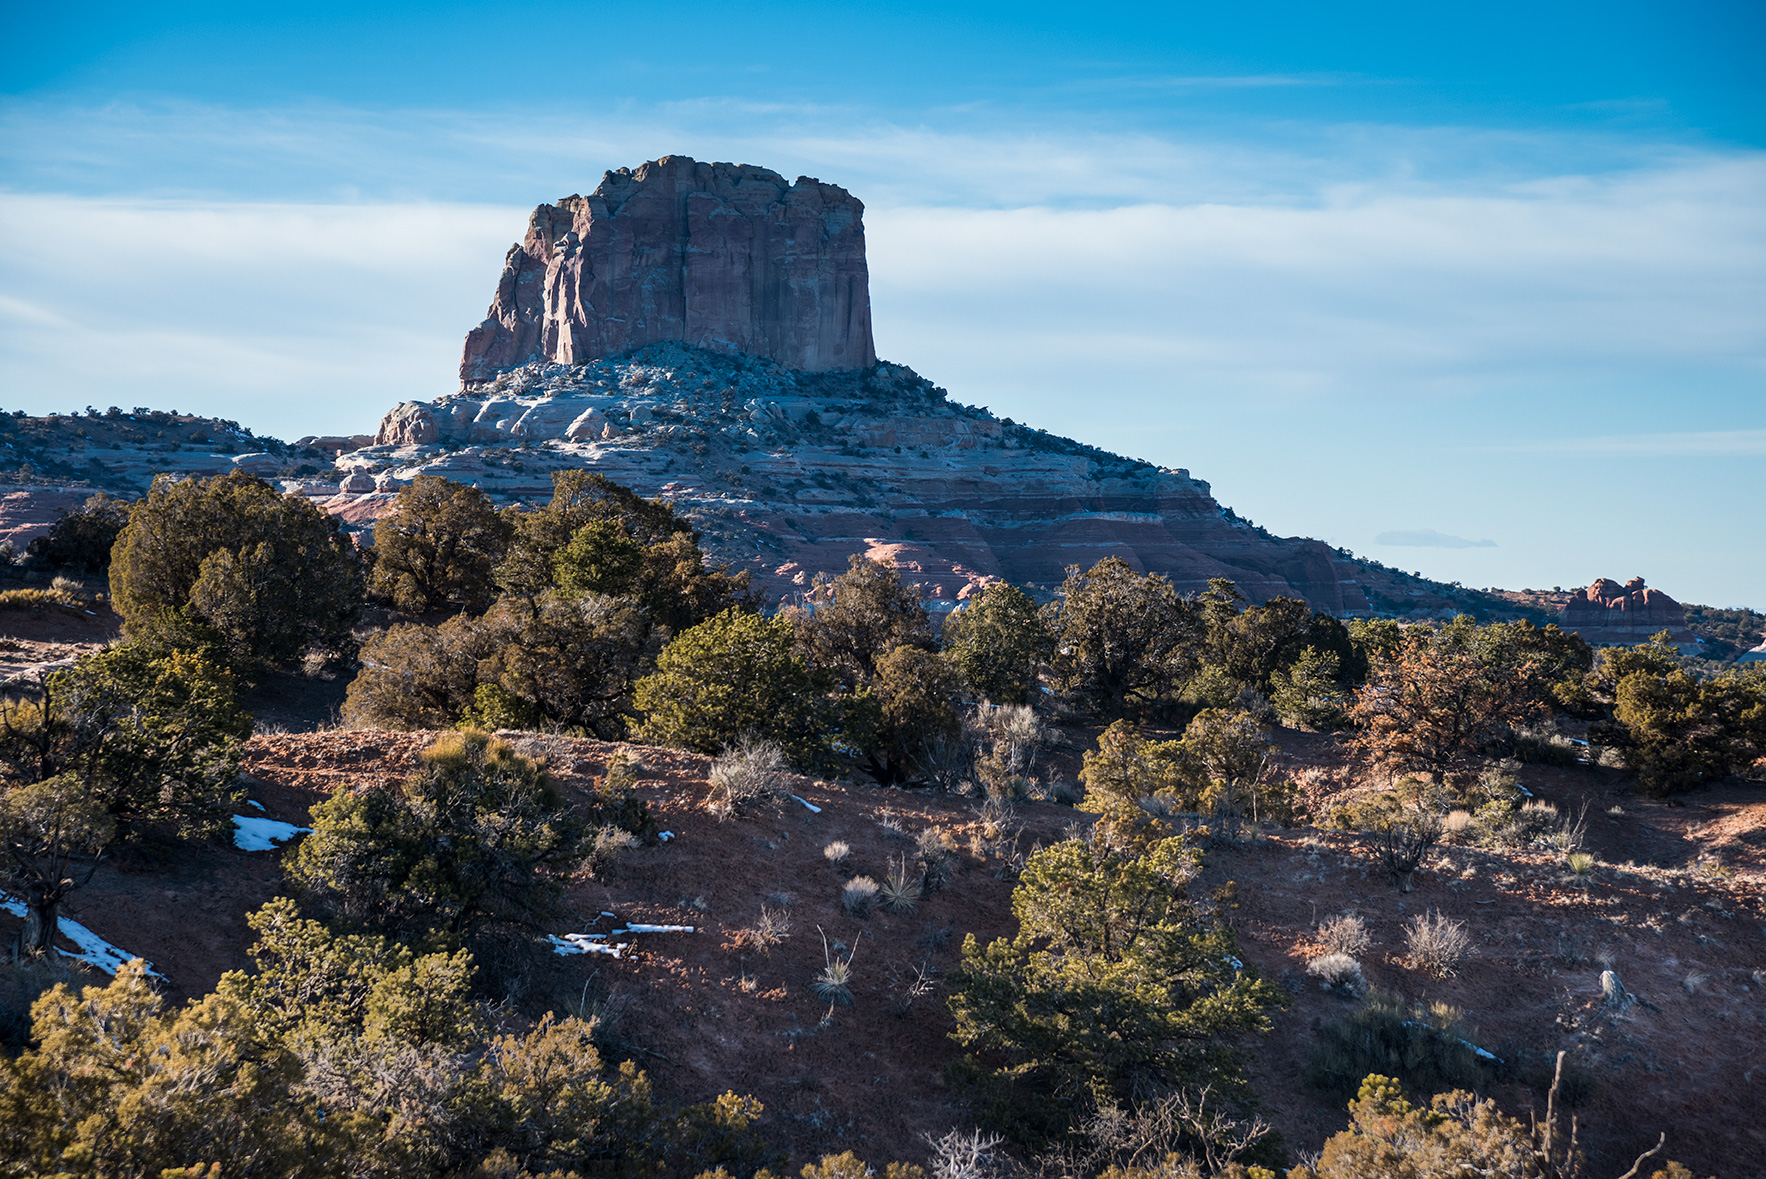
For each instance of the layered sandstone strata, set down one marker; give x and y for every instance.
(728, 257)
(788, 473)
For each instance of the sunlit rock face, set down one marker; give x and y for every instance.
(727, 257)
(1610, 614)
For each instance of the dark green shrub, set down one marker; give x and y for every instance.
(271, 572)
(439, 546)
(1425, 1047)
(83, 539)
(998, 642)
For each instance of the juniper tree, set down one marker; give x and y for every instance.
(1117, 985)
(439, 546)
(271, 572)
(130, 738)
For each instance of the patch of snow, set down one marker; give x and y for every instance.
(581, 943)
(1411, 1023)
(254, 802)
(251, 833)
(94, 950)
(665, 836)
(636, 928)
(812, 806)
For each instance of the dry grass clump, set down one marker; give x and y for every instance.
(1347, 935)
(1581, 866)
(747, 772)
(771, 928)
(902, 889)
(1339, 973)
(1459, 826)
(837, 851)
(858, 895)
(1437, 943)
(29, 599)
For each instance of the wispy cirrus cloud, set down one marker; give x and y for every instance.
(1428, 538)
(1688, 444)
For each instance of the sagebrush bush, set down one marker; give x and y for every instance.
(936, 851)
(1340, 973)
(1346, 935)
(858, 895)
(1437, 943)
(747, 772)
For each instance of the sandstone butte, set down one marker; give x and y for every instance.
(1608, 614)
(702, 333)
(727, 257)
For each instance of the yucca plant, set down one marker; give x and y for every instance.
(901, 888)
(834, 984)
(1581, 866)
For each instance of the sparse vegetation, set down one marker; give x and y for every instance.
(1436, 943)
(1426, 1046)
(1102, 1035)
(1346, 935)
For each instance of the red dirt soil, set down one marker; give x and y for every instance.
(708, 1012)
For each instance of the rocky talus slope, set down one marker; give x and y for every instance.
(787, 473)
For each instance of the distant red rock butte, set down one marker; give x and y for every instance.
(1608, 614)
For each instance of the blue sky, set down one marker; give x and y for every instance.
(1480, 292)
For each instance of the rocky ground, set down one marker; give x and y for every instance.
(785, 474)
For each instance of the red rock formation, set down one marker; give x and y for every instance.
(1612, 615)
(727, 257)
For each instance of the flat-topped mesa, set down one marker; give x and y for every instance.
(1608, 614)
(727, 257)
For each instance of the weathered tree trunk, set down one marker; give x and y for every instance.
(38, 935)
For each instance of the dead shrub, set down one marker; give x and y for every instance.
(1437, 943)
(770, 929)
(1403, 844)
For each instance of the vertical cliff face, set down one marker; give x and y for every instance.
(726, 257)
